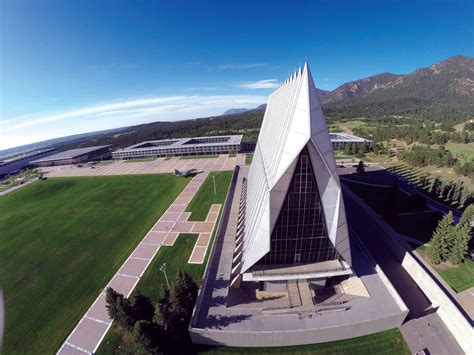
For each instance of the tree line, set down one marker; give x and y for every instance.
(421, 156)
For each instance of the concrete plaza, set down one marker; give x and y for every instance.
(159, 165)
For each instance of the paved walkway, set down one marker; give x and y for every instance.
(91, 329)
(159, 165)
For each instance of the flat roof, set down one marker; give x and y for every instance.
(71, 154)
(25, 155)
(346, 137)
(186, 142)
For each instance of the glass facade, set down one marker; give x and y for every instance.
(300, 234)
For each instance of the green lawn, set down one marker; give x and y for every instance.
(232, 155)
(461, 149)
(62, 240)
(138, 160)
(248, 158)
(387, 342)
(205, 197)
(461, 277)
(205, 156)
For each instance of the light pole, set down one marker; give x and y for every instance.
(163, 268)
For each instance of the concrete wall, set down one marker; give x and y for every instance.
(437, 291)
(294, 337)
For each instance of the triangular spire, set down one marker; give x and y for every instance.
(293, 122)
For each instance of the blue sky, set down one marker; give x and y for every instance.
(76, 66)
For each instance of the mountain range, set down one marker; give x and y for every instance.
(441, 92)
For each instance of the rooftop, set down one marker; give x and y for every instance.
(25, 155)
(346, 137)
(187, 142)
(70, 154)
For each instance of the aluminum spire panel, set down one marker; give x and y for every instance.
(293, 123)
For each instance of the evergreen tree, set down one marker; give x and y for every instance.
(111, 297)
(124, 313)
(142, 307)
(467, 217)
(459, 236)
(163, 312)
(119, 309)
(360, 168)
(174, 310)
(148, 338)
(438, 249)
(436, 186)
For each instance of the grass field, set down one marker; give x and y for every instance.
(387, 342)
(232, 155)
(138, 160)
(461, 277)
(461, 150)
(206, 156)
(205, 197)
(248, 159)
(62, 240)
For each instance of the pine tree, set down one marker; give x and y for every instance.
(124, 313)
(360, 168)
(142, 307)
(460, 236)
(111, 297)
(163, 312)
(438, 248)
(174, 309)
(436, 186)
(148, 338)
(468, 216)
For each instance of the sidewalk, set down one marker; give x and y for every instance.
(91, 329)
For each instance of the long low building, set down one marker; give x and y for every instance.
(17, 162)
(212, 145)
(341, 140)
(76, 156)
(182, 146)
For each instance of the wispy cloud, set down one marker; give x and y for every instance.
(237, 66)
(261, 84)
(28, 129)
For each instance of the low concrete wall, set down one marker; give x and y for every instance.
(439, 294)
(293, 337)
(217, 237)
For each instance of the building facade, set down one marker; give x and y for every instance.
(76, 156)
(182, 146)
(20, 161)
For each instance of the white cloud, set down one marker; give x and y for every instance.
(261, 84)
(236, 66)
(21, 130)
